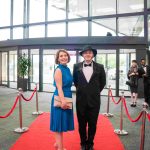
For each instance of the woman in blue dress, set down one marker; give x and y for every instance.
(61, 118)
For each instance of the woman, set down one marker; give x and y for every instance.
(61, 118)
(133, 75)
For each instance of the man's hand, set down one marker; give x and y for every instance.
(143, 75)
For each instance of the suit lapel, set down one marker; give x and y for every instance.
(81, 71)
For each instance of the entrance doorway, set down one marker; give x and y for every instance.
(116, 68)
(116, 62)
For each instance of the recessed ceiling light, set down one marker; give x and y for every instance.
(137, 6)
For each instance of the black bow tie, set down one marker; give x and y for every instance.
(85, 65)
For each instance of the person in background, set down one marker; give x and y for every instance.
(61, 118)
(89, 79)
(145, 74)
(133, 76)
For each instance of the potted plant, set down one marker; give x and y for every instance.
(24, 65)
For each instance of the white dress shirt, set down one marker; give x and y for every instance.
(145, 69)
(88, 71)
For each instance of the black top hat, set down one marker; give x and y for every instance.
(88, 47)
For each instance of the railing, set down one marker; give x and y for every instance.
(19, 98)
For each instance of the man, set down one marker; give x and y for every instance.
(145, 73)
(89, 79)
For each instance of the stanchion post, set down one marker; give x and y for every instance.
(20, 108)
(143, 128)
(37, 112)
(121, 131)
(20, 129)
(108, 103)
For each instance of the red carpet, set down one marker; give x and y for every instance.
(39, 136)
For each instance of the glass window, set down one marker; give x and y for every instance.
(18, 11)
(18, 33)
(111, 70)
(24, 52)
(126, 56)
(104, 27)
(4, 67)
(4, 34)
(57, 30)
(80, 58)
(108, 59)
(101, 58)
(48, 69)
(133, 55)
(5, 12)
(149, 27)
(72, 60)
(129, 6)
(101, 7)
(123, 71)
(37, 11)
(78, 9)
(148, 3)
(76, 28)
(34, 67)
(131, 26)
(36, 31)
(71, 64)
(13, 69)
(56, 10)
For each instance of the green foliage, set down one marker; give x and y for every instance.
(24, 65)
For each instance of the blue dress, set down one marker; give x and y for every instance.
(62, 120)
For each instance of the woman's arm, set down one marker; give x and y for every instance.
(58, 80)
(131, 73)
(75, 76)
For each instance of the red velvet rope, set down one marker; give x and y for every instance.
(12, 109)
(128, 115)
(110, 94)
(148, 116)
(28, 99)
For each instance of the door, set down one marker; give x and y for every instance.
(5, 68)
(116, 80)
(13, 69)
(108, 59)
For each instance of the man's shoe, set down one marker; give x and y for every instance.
(90, 147)
(83, 147)
(132, 105)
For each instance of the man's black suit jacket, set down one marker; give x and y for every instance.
(141, 72)
(88, 93)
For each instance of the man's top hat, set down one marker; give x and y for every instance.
(88, 47)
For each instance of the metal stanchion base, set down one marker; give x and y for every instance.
(21, 130)
(37, 113)
(108, 114)
(120, 132)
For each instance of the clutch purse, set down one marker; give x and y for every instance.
(129, 83)
(57, 102)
